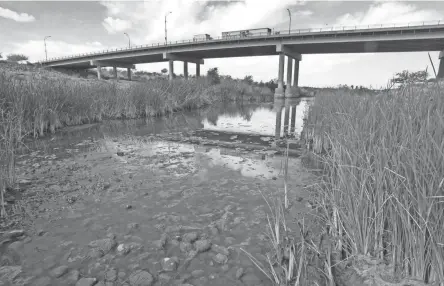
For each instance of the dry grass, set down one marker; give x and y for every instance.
(383, 189)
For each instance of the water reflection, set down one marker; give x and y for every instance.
(289, 117)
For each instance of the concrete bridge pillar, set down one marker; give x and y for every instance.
(128, 71)
(171, 69)
(99, 72)
(185, 70)
(197, 70)
(115, 73)
(289, 76)
(296, 73)
(277, 134)
(279, 92)
(440, 74)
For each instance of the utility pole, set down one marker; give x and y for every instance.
(289, 25)
(166, 39)
(129, 40)
(44, 41)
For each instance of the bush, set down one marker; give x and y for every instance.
(16, 57)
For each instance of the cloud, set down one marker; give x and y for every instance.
(18, 17)
(114, 25)
(389, 13)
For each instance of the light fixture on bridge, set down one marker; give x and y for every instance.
(129, 40)
(166, 39)
(289, 25)
(44, 41)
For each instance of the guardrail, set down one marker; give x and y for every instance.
(272, 34)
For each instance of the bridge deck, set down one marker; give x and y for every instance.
(399, 39)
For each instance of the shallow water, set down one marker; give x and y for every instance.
(122, 181)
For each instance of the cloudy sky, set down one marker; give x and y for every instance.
(81, 26)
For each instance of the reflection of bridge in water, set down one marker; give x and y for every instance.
(287, 113)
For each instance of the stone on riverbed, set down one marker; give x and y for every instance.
(59, 271)
(105, 245)
(141, 278)
(190, 237)
(220, 249)
(202, 245)
(86, 282)
(169, 264)
(220, 258)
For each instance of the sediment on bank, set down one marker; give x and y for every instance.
(381, 196)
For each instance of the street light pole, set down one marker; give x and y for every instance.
(129, 40)
(44, 41)
(289, 25)
(166, 39)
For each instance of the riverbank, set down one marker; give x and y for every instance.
(380, 200)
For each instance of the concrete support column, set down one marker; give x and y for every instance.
(99, 72)
(440, 74)
(115, 73)
(279, 92)
(197, 70)
(286, 120)
(289, 77)
(128, 71)
(293, 119)
(277, 134)
(296, 73)
(171, 69)
(185, 70)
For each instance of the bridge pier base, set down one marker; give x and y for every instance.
(171, 69)
(440, 74)
(279, 92)
(99, 72)
(286, 120)
(128, 71)
(185, 70)
(197, 70)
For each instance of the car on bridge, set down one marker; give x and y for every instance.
(246, 33)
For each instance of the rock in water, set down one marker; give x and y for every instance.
(141, 278)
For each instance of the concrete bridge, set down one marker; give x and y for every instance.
(293, 44)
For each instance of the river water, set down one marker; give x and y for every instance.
(97, 200)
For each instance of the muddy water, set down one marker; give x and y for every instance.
(117, 204)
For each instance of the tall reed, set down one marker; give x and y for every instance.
(383, 190)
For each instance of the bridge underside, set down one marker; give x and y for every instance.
(230, 50)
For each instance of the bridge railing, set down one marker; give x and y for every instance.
(272, 34)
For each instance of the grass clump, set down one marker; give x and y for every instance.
(382, 195)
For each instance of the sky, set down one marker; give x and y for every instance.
(85, 26)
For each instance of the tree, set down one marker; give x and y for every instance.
(248, 79)
(406, 77)
(164, 70)
(213, 75)
(16, 57)
(272, 84)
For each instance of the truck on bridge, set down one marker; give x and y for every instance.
(201, 37)
(246, 33)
